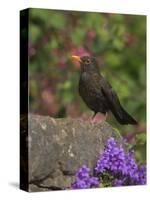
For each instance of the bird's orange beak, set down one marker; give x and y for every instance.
(76, 58)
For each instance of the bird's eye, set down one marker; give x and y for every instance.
(87, 61)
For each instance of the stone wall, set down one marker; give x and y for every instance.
(58, 147)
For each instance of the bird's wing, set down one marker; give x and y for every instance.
(114, 104)
(110, 95)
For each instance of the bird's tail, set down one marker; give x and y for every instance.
(123, 117)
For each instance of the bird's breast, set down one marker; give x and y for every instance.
(85, 89)
(84, 83)
(90, 91)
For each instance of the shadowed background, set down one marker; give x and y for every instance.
(119, 44)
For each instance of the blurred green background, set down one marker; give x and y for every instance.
(119, 44)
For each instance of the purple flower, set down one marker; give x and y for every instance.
(132, 167)
(114, 167)
(118, 182)
(94, 181)
(120, 164)
(139, 176)
(112, 158)
(142, 175)
(80, 184)
(84, 180)
(83, 172)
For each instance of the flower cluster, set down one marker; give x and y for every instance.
(120, 164)
(84, 180)
(114, 167)
(112, 158)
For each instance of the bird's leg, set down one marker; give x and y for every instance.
(98, 117)
(94, 118)
(93, 115)
(105, 116)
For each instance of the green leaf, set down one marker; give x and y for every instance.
(141, 138)
(77, 36)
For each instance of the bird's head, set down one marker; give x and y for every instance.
(87, 63)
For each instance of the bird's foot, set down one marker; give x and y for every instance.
(99, 117)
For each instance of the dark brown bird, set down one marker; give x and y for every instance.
(97, 93)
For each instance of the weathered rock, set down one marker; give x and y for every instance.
(58, 147)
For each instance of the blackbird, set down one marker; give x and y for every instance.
(97, 93)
